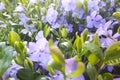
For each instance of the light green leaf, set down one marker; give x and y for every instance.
(28, 64)
(78, 43)
(118, 30)
(96, 40)
(46, 30)
(13, 37)
(112, 54)
(93, 59)
(117, 15)
(20, 48)
(95, 49)
(84, 36)
(58, 61)
(64, 32)
(78, 4)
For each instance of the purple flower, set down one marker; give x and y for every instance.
(19, 8)
(69, 27)
(33, 1)
(39, 35)
(78, 13)
(24, 19)
(12, 71)
(39, 52)
(2, 6)
(108, 39)
(51, 15)
(94, 20)
(93, 5)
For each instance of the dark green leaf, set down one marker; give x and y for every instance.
(25, 74)
(91, 71)
(107, 76)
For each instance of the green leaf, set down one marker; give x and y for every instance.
(117, 15)
(118, 30)
(112, 54)
(107, 76)
(78, 4)
(84, 36)
(100, 77)
(91, 71)
(57, 54)
(95, 49)
(57, 62)
(78, 43)
(6, 59)
(85, 6)
(19, 59)
(93, 59)
(39, 25)
(64, 32)
(20, 48)
(80, 69)
(46, 30)
(96, 40)
(25, 74)
(13, 37)
(28, 64)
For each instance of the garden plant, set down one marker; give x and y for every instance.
(59, 39)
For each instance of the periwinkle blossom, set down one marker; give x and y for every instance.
(70, 67)
(19, 8)
(51, 15)
(78, 13)
(12, 71)
(69, 5)
(32, 1)
(24, 19)
(94, 20)
(39, 51)
(2, 6)
(93, 5)
(106, 35)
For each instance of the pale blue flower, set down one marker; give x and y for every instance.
(32, 1)
(39, 52)
(69, 5)
(51, 15)
(93, 5)
(2, 6)
(24, 19)
(79, 13)
(39, 35)
(19, 8)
